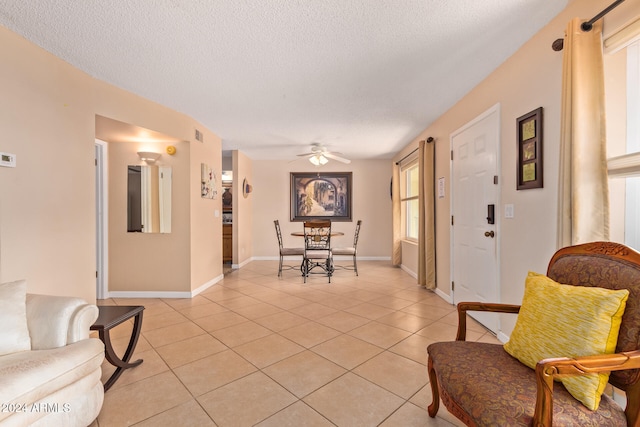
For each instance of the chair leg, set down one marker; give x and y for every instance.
(305, 269)
(435, 393)
(355, 265)
(280, 267)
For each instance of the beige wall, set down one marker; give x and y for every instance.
(371, 203)
(47, 209)
(206, 214)
(47, 203)
(141, 261)
(189, 257)
(529, 79)
(242, 209)
(47, 213)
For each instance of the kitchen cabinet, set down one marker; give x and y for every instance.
(227, 242)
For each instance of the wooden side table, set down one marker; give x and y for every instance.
(109, 317)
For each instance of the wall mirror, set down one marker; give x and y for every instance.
(149, 199)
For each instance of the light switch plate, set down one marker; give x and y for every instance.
(508, 211)
(7, 160)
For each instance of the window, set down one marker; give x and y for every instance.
(409, 200)
(624, 166)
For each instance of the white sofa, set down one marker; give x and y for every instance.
(55, 382)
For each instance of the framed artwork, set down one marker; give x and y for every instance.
(320, 196)
(530, 171)
(208, 182)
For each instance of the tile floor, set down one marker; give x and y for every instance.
(258, 350)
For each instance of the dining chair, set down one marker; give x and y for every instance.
(286, 251)
(351, 251)
(317, 248)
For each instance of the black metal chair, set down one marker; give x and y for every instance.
(352, 251)
(317, 248)
(285, 251)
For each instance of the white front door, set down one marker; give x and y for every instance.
(475, 189)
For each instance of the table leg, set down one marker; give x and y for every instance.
(112, 357)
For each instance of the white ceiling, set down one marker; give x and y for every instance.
(363, 77)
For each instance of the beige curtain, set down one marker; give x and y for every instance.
(426, 222)
(583, 196)
(396, 254)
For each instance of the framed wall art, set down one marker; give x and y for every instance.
(320, 196)
(207, 182)
(530, 171)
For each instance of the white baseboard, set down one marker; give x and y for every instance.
(444, 296)
(409, 272)
(164, 294)
(242, 264)
(502, 337)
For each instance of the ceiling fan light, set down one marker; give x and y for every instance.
(318, 160)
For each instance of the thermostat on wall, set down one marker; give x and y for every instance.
(7, 160)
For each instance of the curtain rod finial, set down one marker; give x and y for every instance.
(586, 26)
(558, 45)
(430, 140)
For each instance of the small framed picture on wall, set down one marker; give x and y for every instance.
(530, 171)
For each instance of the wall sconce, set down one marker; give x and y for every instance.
(148, 157)
(318, 160)
(246, 188)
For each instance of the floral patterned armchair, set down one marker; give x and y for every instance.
(481, 384)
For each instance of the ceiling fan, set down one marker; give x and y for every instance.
(319, 155)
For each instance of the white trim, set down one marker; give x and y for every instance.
(409, 272)
(447, 298)
(165, 294)
(502, 337)
(149, 294)
(242, 264)
(207, 285)
(623, 37)
(495, 109)
(102, 200)
(625, 165)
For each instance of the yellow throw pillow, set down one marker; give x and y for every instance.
(567, 321)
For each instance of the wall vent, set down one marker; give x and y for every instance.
(199, 136)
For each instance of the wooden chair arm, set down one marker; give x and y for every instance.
(463, 307)
(562, 367)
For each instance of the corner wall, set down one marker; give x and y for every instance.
(243, 214)
(47, 203)
(531, 78)
(371, 203)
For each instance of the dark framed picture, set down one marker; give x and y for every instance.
(530, 170)
(320, 196)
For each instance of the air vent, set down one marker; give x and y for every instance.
(199, 136)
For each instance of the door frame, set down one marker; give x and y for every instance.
(102, 222)
(493, 109)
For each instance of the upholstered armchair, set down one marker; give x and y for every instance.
(50, 367)
(486, 384)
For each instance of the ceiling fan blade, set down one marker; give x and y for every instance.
(338, 158)
(306, 154)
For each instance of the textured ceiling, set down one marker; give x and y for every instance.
(363, 77)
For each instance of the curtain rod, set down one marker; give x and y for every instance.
(558, 44)
(428, 140)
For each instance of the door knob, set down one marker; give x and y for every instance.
(489, 234)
